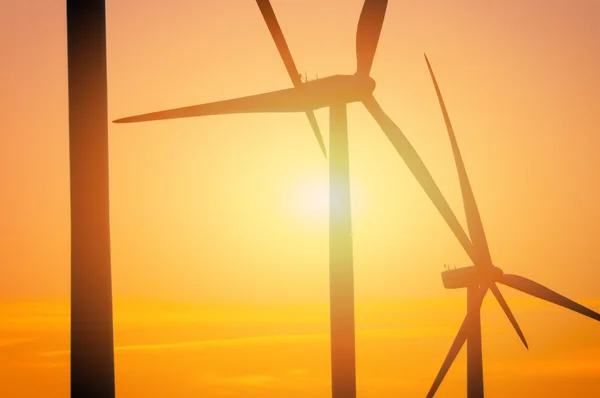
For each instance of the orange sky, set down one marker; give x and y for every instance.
(229, 210)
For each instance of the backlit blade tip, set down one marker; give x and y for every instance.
(323, 150)
(321, 142)
(136, 119)
(428, 64)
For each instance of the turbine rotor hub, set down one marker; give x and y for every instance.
(366, 82)
(370, 83)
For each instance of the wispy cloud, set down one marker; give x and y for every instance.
(247, 381)
(14, 341)
(570, 367)
(287, 378)
(269, 339)
(298, 372)
(390, 333)
(53, 364)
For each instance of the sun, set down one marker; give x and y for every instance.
(307, 199)
(310, 198)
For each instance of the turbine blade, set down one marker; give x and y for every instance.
(315, 128)
(535, 289)
(457, 344)
(273, 24)
(455, 348)
(419, 170)
(474, 222)
(508, 312)
(288, 100)
(367, 34)
(271, 20)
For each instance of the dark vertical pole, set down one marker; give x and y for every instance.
(92, 355)
(343, 368)
(474, 354)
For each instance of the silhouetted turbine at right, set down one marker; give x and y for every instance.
(480, 277)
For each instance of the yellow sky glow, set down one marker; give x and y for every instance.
(219, 225)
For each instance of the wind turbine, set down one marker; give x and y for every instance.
(334, 92)
(92, 353)
(480, 277)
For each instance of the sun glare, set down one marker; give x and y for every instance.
(311, 198)
(308, 199)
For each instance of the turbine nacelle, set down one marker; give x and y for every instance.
(367, 81)
(470, 276)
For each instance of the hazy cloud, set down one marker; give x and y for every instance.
(298, 372)
(273, 339)
(214, 343)
(570, 367)
(248, 381)
(14, 341)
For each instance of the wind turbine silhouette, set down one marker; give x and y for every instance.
(92, 349)
(334, 92)
(480, 277)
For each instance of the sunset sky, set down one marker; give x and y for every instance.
(219, 225)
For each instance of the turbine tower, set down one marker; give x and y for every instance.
(480, 277)
(92, 353)
(334, 92)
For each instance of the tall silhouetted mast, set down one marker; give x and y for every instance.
(92, 355)
(334, 92)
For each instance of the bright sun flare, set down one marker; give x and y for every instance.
(311, 198)
(308, 199)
